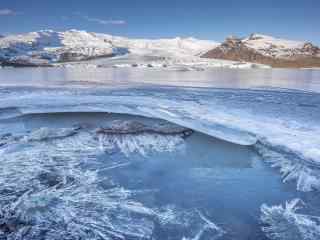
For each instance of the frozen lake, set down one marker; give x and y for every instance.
(150, 154)
(127, 77)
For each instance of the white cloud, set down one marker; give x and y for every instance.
(7, 12)
(106, 22)
(99, 20)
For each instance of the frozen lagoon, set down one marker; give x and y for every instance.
(64, 181)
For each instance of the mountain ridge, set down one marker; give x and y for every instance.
(264, 49)
(47, 47)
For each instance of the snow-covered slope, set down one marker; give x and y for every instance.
(174, 46)
(46, 47)
(268, 50)
(277, 47)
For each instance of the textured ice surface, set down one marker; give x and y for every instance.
(284, 123)
(101, 178)
(56, 182)
(99, 181)
(51, 188)
(284, 222)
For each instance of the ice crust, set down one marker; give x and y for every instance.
(281, 125)
(284, 222)
(49, 191)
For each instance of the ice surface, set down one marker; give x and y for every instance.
(50, 190)
(285, 123)
(285, 223)
(292, 167)
(50, 178)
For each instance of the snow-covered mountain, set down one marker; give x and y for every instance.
(46, 47)
(268, 50)
(175, 46)
(280, 48)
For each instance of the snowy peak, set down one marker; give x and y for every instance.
(174, 46)
(45, 47)
(265, 39)
(49, 38)
(277, 47)
(259, 48)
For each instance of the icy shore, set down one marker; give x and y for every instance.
(285, 138)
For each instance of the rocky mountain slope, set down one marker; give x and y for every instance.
(46, 47)
(267, 50)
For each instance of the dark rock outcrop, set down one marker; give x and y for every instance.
(134, 127)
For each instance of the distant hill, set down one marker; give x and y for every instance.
(267, 50)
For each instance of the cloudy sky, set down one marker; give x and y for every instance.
(207, 19)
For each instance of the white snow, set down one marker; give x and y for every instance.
(271, 46)
(176, 46)
(48, 44)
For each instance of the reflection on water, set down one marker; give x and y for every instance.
(226, 78)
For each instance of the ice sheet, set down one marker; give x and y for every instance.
(283, 122)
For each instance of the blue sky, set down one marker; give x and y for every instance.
(206, 19)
